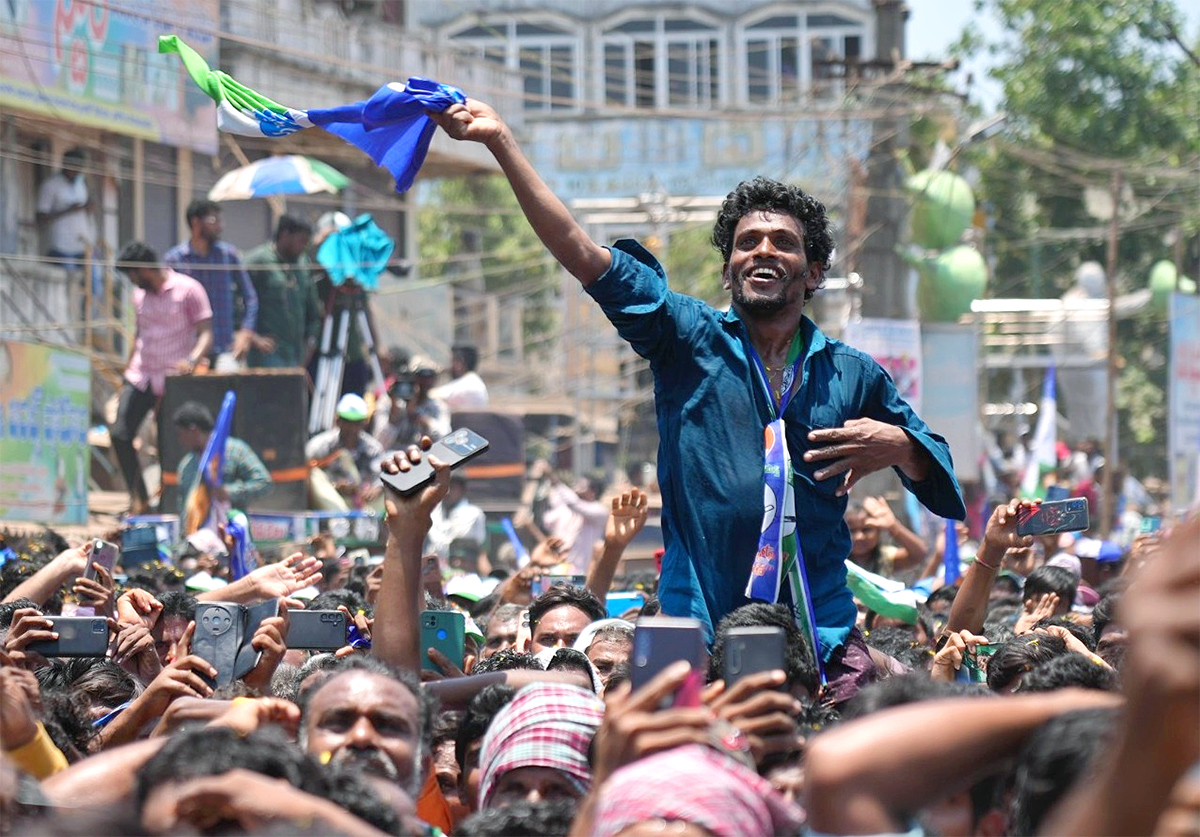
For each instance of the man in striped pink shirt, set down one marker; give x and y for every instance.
(174, 333)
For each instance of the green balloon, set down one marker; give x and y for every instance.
(1162, 285)
(949, 283)
(943, 205)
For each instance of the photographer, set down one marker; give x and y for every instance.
(412, 412)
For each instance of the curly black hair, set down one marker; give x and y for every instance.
(765, 195)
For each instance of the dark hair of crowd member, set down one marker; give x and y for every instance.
(201, 207)
(193, 414)
(211, 751)
(578, 597)
(480, 711)
(1069, 670)
(138, 254)
(1058, 580)
(1054, 757)
(797, 657)
(1019, 655)
(908, 688)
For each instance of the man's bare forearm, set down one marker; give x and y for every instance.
(551, 220)
(395, 635)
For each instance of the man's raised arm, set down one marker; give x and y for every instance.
(551, 220)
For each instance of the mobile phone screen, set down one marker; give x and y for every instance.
(460, 446)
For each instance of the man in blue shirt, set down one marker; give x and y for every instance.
(842, 416)
(216, 265)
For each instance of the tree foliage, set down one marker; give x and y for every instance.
(1088, 83)
(471, 231)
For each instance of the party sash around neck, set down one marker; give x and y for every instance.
(779, 555)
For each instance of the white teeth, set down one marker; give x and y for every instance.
(766, 273)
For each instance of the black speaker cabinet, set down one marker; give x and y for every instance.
(271, 417)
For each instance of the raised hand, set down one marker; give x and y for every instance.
(765, 715)
(410, 517)
(548, 553)
(19, 702)
(181, 678)
(1036, 609)
(269, 641)
(28, 625)
(634, 727)
(950, 659)
(97, 593)
(246, 716)
(281, 579)
(629, 511)
(1000, 534)
(879, 513)
(473, 121)
(138, 607)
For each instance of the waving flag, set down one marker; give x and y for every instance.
(1042, 457)
(885, 596)
(391, 127)
(952, 568)
(199, 508)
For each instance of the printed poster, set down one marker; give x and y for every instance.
(896, 346)
(45, 404)
(1183, 417)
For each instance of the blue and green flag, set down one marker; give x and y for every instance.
(391, 127)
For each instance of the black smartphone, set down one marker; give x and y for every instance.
(224, 631)
(750, 651)
(659, 641)
(446, 631)
(103, 553)
(460, 446)
(1070, 515)
(316, 630)
(544, 582)
(78, 636)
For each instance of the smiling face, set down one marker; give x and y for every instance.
(768, 272)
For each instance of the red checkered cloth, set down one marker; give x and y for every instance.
(545, 725)
(705, 788)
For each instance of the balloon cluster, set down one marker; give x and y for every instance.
(952, 275)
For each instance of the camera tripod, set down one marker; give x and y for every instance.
(331, 361)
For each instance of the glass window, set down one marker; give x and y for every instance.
(643, 73)
(823, 21)
(616, 74)
(758, 71)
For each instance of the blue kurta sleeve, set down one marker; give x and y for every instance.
(633, 294)
(939, 491)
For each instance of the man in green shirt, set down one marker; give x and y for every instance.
(244, 476)
(289, 313)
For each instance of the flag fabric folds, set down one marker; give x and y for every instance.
(883, 595)
(391, 127)
(1042, 456)
(199, 507)
(950, 560)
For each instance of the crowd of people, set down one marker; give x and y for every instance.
(200, 307)
(1021, 701)
(1028, 686)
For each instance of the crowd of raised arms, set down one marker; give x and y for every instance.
(800, 662)
(1022, 701)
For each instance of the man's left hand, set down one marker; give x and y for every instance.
(863, 446)
(242, 340)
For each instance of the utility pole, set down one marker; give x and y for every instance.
(1108, 504)
(885, 274)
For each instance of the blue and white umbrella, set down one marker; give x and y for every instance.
(289, 175)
